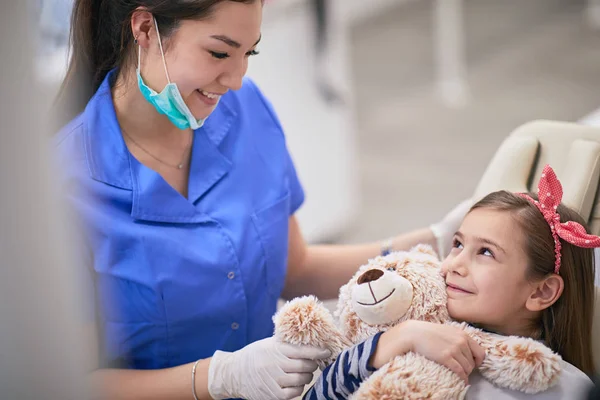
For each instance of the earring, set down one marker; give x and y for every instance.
(135, 40)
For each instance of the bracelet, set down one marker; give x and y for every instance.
(194, 380)
(386, 246)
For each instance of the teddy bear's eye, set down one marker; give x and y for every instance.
(391, 267)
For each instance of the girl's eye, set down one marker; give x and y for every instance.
(486, 252)
(252, 53)
(218, 55)
(391, 269)
(457, 244)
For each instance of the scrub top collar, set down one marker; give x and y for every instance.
(154, 199)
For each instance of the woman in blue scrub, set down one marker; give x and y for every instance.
(177, 167)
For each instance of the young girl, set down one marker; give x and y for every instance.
(518, 266)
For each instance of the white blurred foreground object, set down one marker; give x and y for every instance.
(42, 353)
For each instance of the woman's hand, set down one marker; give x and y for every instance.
(447, 345)
(445, 229)
(263, 370)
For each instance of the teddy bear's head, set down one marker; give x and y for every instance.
(387, 290)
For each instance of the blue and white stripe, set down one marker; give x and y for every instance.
(343, 377)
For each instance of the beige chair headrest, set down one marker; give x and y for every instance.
(572, 150)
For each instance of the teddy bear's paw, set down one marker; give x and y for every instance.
(412, 377)
(521, 364)
(306, 321)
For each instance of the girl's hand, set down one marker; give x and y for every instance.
(444, 344)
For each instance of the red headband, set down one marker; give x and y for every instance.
(550, 195)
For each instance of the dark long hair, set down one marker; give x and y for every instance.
(566, 326)
(101, 39)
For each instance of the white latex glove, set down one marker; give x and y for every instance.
(445, 229)
(263, 370)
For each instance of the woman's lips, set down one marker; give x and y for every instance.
(208, 97)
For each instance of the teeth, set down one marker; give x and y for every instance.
(210, 95)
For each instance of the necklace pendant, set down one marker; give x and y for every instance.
(180, 166)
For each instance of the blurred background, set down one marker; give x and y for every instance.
(392, 108)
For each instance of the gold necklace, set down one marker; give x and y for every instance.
(178, 166)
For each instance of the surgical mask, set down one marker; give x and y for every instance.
(168, 102)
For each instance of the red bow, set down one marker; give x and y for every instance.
(550, 195)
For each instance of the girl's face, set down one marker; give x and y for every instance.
(206, 58)
(486, 273)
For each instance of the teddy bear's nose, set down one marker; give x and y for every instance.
(370, 276)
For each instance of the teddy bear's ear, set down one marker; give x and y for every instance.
(425, 249)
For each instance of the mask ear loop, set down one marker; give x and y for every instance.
(139, 51)
(161, 51)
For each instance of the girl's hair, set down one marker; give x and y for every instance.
(101, 39)
(566, 326)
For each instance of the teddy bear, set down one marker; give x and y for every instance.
(408, 285)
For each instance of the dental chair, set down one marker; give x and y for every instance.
(573, 151)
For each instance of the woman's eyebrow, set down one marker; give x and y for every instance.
(229, 41)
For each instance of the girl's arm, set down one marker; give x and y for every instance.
(342, 378)
(444, 344)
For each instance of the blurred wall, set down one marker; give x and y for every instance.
(320, 130)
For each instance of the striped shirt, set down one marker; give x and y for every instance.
(344, 376)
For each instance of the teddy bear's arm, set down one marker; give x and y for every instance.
(412, 377)
(306, 321)
(516, 363)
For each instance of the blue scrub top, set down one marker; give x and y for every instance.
(176, 279)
